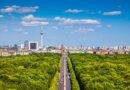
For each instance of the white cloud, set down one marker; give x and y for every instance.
(55, 27)
(19, 9)
(5, 29)
(83, 30)
(69, 21)
(99, 26)
(112, 13)
(108, 26)
(74, 11)
(25, 33)
(30, 20)
(18, 30)
(1, 16)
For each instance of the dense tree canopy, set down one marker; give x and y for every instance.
(30, 72)
(108, 72)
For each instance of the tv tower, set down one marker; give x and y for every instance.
(41, 33)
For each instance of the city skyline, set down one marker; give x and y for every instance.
(69, 22)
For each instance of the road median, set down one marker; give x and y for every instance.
(74, 82)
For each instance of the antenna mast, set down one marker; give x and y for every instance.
(41, 33)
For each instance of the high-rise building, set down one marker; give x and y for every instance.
(26, 45)
(33, 46)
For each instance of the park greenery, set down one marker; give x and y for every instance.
(30, 72)
(41, 71)
(74, 82)
(106, 72)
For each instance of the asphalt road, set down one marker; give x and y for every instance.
(65, 82)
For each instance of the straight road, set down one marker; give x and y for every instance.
(65, 82)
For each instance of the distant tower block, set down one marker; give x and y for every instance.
(41, 33)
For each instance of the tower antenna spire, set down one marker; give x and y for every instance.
(41, 33)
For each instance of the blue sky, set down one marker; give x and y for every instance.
(69, 22)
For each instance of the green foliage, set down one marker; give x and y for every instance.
(74, 82)
(55, 80)
(108, 72)
(55, 83)
(30, 72)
